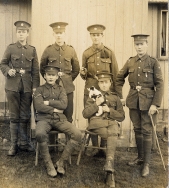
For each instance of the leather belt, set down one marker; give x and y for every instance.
(22, 71)
(63, 73)
(138, 88)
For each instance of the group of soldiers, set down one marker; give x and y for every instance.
(53, 101)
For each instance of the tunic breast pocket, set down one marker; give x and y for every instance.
(28, 62)
(91, 65)
(15, 59)
(148, 75)
(53, 61)
(131, 75)
(105, 64)
(113, 105)
(46, 96)
(68, 65)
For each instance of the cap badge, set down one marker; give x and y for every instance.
(21, 24)
(58, 26)
(102, 76)
(95, 28)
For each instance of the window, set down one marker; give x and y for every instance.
(163, 34)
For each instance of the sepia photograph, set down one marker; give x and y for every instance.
(84, 93)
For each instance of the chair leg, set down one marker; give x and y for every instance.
(67, 139)
(87, 141)
(81, 149)
(37, 154)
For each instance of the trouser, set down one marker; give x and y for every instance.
(43, 127)
(69, 110)
(143, 132)
(108, 134)
(19, 110)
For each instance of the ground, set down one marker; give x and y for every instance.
(20, 172)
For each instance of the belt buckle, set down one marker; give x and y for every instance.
(138, 88)
(22, 71)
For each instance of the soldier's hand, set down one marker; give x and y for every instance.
(83, 71)
(123, 101)
(99, 100)
(152, 110)
(57, 110)
(46, 103)
(33, 90)
(12, 72)
(105, 108)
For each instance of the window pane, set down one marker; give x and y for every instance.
(164, 34)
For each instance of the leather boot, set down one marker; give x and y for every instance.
(103, 144)
(110, 182)
(24, 145)
(13, 150)
(69, 148)
(14, 138)
(109, 166)
(137, 161)
(60, 166)
(139, 143)
(93, 152)
(145, 171)
(44, 150)
(147, 143)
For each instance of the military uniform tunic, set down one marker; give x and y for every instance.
(95, 61)
(65, 58)
(100, 122)
(143, 73)
(19, 58)
(47, 119)
(146, 73)
(19, 88)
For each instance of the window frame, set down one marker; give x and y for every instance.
(160, 56)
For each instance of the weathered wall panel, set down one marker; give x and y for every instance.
(122, 18)
(153, 30)
(11, 11)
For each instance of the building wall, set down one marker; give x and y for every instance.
(122, 18)
(153, 30)
(10, 11)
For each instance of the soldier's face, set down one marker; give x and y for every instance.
(22, 34)
(50, 78)
(96, 38)
(104, 85)
(141, 47)
(59, 37)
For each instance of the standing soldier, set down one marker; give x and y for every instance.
(63, 56)
(95, 59)
(21, 69)
(145, 95)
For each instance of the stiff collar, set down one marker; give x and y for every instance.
(105, 92)
(97, 48)
(142, 58)
(63, 47)
(19, 45)
(50, 86)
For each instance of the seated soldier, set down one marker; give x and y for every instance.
(106, 125)
(50, 100)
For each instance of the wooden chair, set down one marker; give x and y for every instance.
(85, 144)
